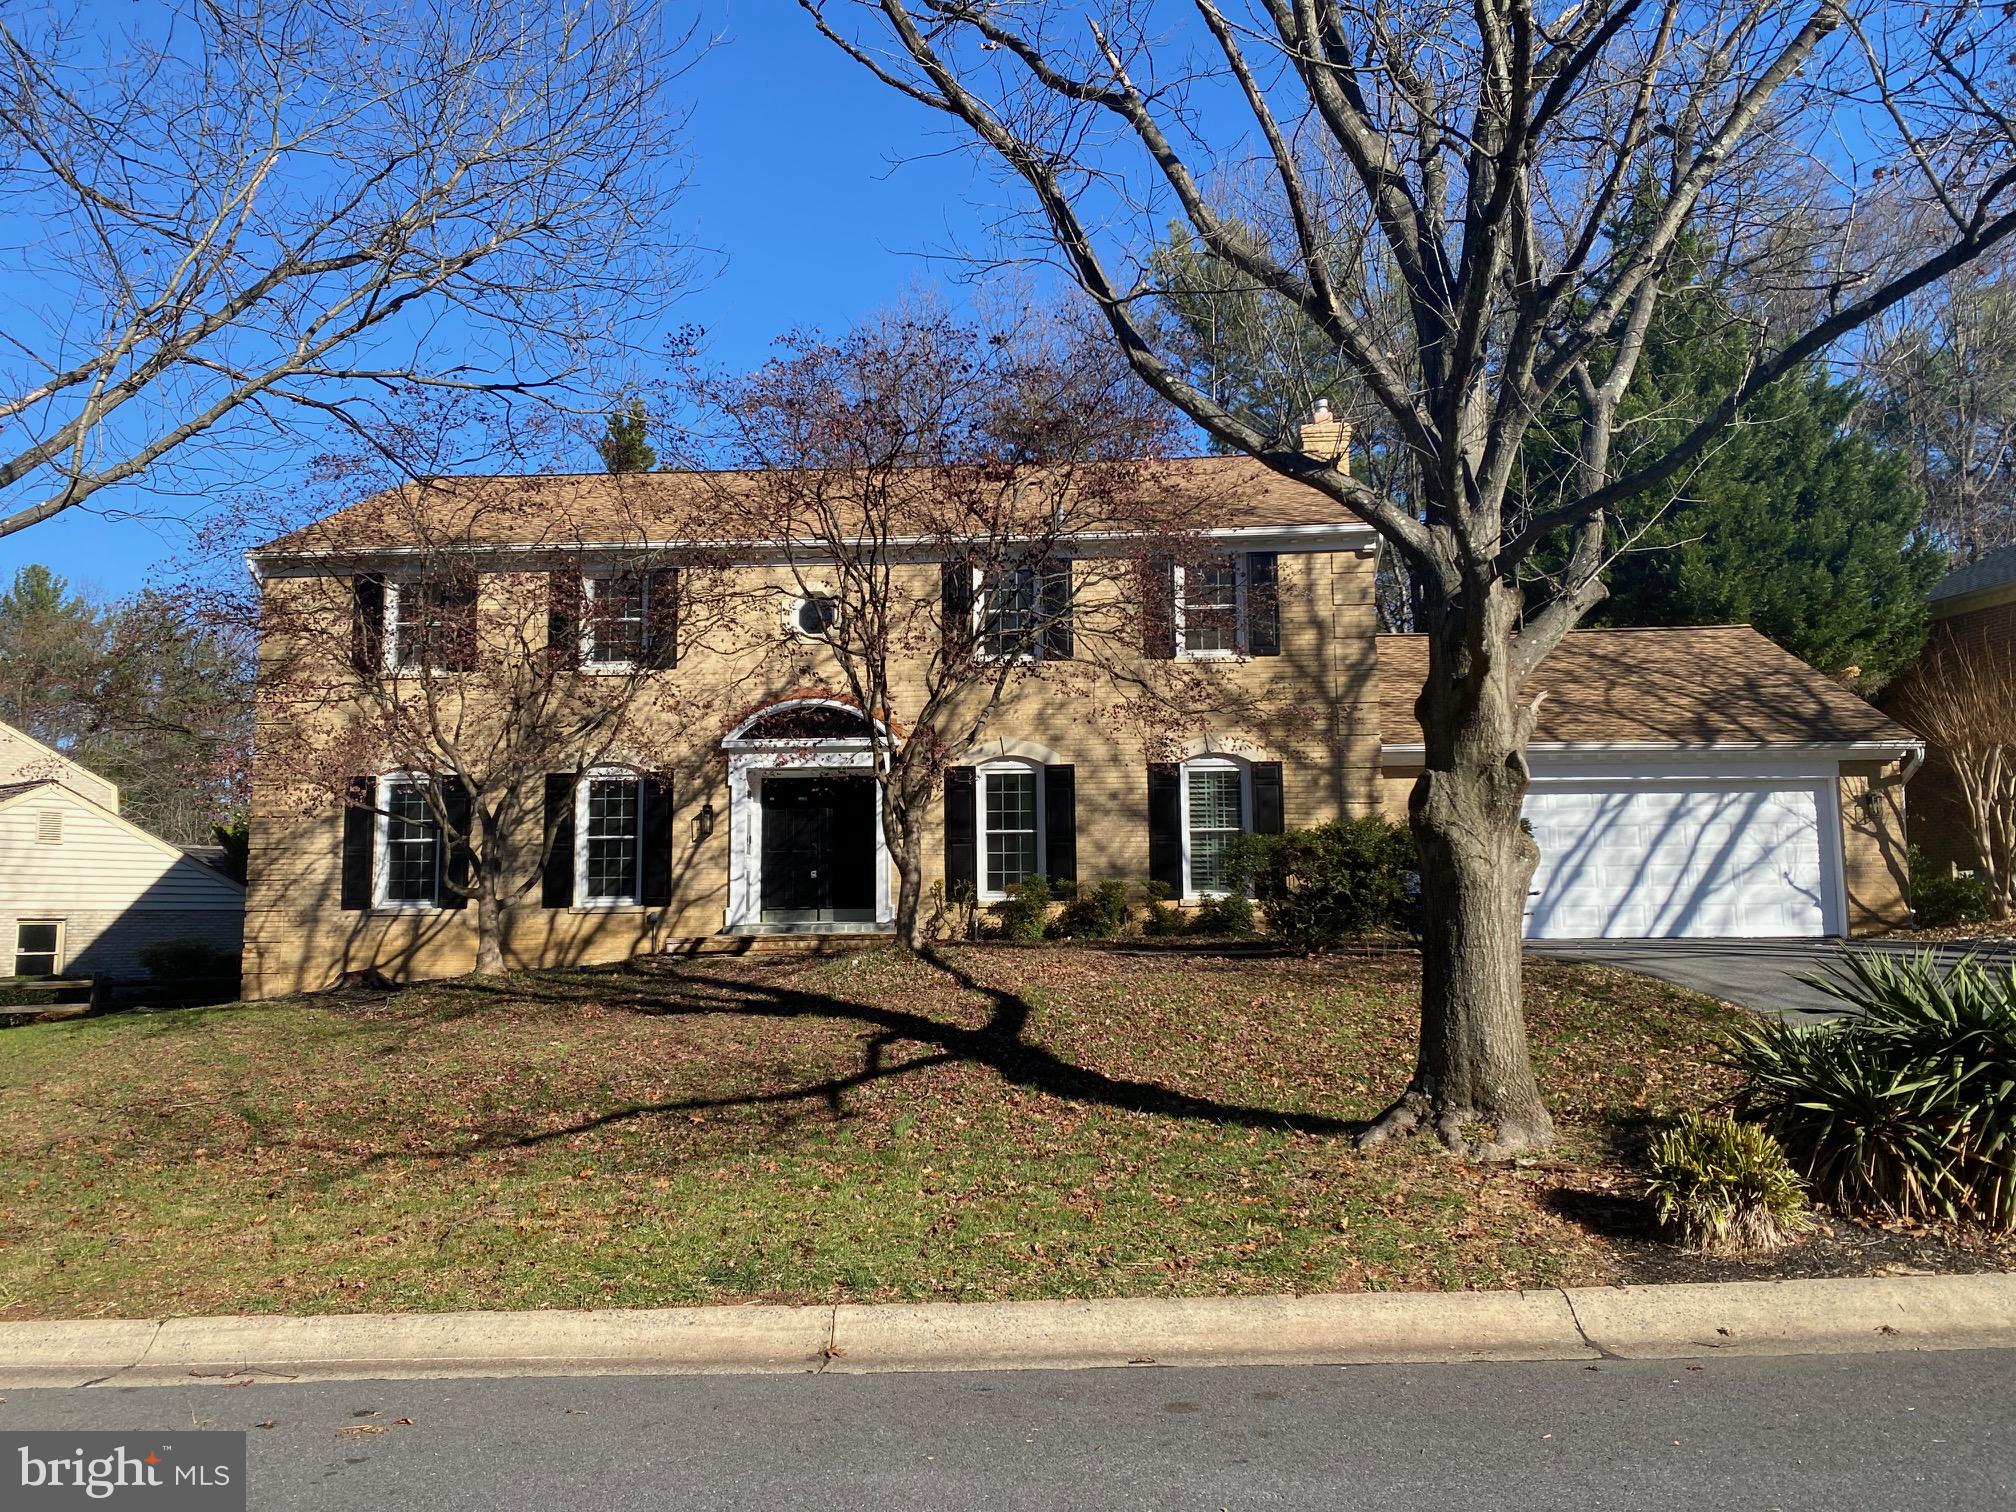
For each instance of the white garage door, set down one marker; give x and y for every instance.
(1678, 858)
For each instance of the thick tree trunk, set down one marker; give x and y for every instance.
(900, 833)
(1473, 1082)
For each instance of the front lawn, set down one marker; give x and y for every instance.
(1054, 1122)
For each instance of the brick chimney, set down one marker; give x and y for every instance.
(1327, 438)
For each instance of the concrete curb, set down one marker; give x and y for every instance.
(1647, 1322)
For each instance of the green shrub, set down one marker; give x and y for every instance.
(1325, 885)
(1231, 914)
(1907, 1106)
(1160, 919)
(1095, 913)
(1940, 897)
(1726, 1188)
(1025, 911)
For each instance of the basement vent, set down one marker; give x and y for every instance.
(49, 827)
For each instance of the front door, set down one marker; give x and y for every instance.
(818, 849)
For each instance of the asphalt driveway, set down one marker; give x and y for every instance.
(1762, 975)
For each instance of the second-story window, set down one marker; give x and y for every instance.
(430, 624)
(616, 628)
(1211, 607)
(610, 819)
(1009, 608)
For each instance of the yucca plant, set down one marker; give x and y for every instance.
(1726, 1188)
(1907, 1106)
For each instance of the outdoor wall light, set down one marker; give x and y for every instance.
(703, 822)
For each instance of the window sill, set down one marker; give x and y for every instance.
(1209, 656)
(612, 906)
(612, 669)
(395, 910)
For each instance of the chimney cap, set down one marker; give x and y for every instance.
(1322, 415)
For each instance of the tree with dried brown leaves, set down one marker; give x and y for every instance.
(961, 520)
(1477, 159)
(1961, 696)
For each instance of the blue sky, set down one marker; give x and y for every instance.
(821, 194)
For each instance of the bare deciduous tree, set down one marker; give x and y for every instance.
(492, 639)
(959, 517)
(1482, 159)
(259, 212)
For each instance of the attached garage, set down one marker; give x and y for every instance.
(1693, 784)
(1656, 853)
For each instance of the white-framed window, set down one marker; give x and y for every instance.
(430, 624)
(1217, 809)
(615, 620)
(1007, 612)
(408, 870)
(38, 947)
(1211, 607)
(1010, 800)
(609, 843)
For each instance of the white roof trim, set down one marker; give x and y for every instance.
(46, 788)
(1596, 750)
(1333, 535)
(62, 760)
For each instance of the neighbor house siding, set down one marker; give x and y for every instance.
(23, 759)
(116, 891)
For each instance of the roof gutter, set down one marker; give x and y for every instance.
(1911, 752)
(1327, 536)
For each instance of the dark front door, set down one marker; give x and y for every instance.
(818, 849)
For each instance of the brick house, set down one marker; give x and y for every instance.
(1973, 613)
(1687, 782)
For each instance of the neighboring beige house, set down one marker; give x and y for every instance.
(1696, 783)
(83, 892)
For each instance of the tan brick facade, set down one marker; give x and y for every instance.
(1326, 738)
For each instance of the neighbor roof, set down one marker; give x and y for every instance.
(1695, 686)
(561, 510)
(1994, 569)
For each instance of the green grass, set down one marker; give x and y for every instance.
(1062, 1122)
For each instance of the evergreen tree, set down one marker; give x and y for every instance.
(626, 447)
(52, 645)
(1795, 522)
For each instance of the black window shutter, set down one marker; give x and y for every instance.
(1165, 826)
(1057, 637)
(455, 844)
(367, 625)
(556, 882)
(661, 609)
(655, 883)
(360, 829)
(460, 592)
(956, 596)
(563, 616)
(1158, 608)
(1263, 603)
(962, 846)
(1266, 797)
(1060, 822)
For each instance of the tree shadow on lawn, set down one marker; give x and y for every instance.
(997, 1045)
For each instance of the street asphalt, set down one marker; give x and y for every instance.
(1763, 975)
(1830, 1433)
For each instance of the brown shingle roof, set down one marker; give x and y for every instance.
(571, 508)
(1697, 686)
